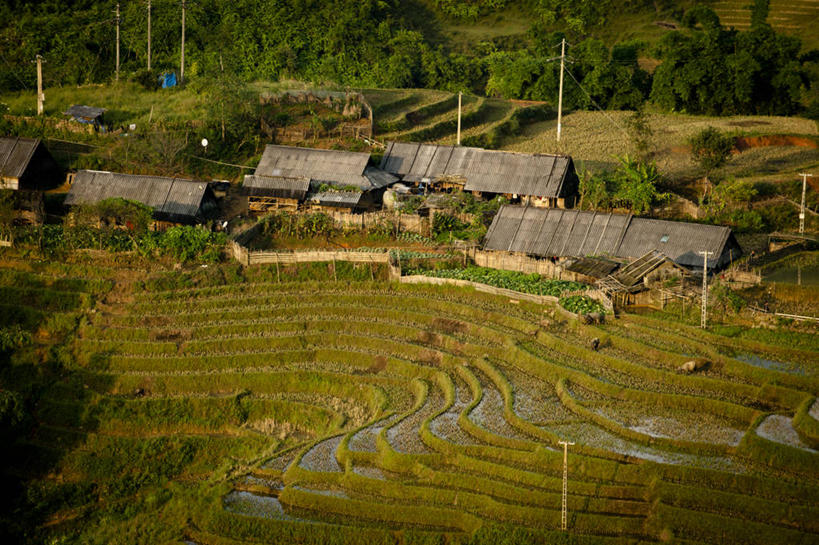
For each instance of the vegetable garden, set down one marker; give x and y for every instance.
(229, 407)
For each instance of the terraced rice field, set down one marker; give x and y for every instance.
(350, 412)
(788, 16)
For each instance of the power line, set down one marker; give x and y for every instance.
(596, 105)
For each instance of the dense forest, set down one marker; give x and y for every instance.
(704, 67)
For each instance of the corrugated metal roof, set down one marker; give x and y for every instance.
(85, 112)
(343, 199)
(276, 186)
(576, 233)
(328, 166)
(678, 240)
(15, 154)
(171, 198)
(592, 266)
(486, 171)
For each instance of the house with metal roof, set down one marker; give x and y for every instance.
(536, 179)
(545, 232)
(174, 200)
(26, 164)
(287, 176)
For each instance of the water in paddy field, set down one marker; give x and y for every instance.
(790, 275)
(765, 363)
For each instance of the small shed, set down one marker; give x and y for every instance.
(335, 201)
(591, 269)
(89, 115)
(173, 200)
(269, 193)
(26, 164)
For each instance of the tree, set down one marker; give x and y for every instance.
(636, 182)
(641, 134)
(708, 69)
(593, 190)
(116, 212)
(711, 149)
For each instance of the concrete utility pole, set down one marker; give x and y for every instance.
(802, 209)
(565, 482)
(704, 314)
(460, 94)
(560, 95)
(149, 35)
(40, 95)
(182, 69)
(117, 20)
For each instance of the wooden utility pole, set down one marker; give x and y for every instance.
(460, 94)
(560, 94)
(149, 35)
(565, 482)
(704, 312)
(182, 66)
(40, 95)
(802, 209)
(117, 20)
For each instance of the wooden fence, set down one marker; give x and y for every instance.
(247, 257)
(520, 263)
(421, 279)
(5, 242)
(399, 222)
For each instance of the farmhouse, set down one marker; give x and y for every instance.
(26, 165)
(535, 179)
(173, 200)
(544, 232)
(288, 176)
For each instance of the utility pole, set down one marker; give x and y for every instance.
(117, 20)
(40, 95)
(565, 482)
(802, 209)
(182, 69)
(459, 117)
(149, 35)
(560, 95)
(704, 313)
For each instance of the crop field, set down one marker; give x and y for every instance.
(237, 409)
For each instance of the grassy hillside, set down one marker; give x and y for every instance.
(236, 405)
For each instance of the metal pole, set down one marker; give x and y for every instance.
(117, 19)
(802, 209)
(565, 482)
(40, 94)
(704, 312)
(560, 95)
(460, 94)
(182, 66)
(149, 35)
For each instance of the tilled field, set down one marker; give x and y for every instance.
(348, 412)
